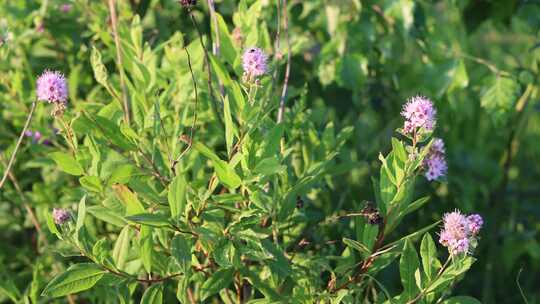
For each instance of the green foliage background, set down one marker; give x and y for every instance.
(354, 63)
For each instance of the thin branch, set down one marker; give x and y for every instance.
(216, 46)
(192, 131)
(17, 146)
(208, 69)
(119, 65)
(288, 67)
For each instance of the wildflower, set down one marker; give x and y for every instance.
(65, 8)
(435, 162)
(418, 113)
(52, 87)
(457, 234)
(475, 223)
(254, 62)
(60, 216)
(36, 136)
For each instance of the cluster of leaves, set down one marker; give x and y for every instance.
(201, 196)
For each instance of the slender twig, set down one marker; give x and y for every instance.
(216, 45)
(519, 287)
(208, 68)
(112, 9)
(288, 67)
(26, 204)
(14, 154)
(276, 45)
(192, 131)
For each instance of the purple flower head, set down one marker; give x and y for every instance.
(28, 133)
(66, 7)
(456, 224)
(188, 3)
(475, 223)
(435, 162)
(459, 232)
(254, 62)
(52, 87)
(418, 113)
(61, 216)
(436, 167)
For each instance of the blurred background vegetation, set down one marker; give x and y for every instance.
(353, 63)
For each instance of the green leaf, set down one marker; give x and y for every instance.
(229, 125)
(499, 98)
(177, 196)
(67, 163)
(111, 131)
(121, 247)
(428, 252)
(91, 183)
(408, 265)
(364, 251)
(268, 166)
(100, 71)
(153, 295)
(133, 205)
(77, 278)
(52, 226)
(226, 174)
(146, 248)
(181, 251)
(461, 300)
(81, 213)
(9, 289)
(219, 280)
(149, 219)
(458, 267)
(107, 215)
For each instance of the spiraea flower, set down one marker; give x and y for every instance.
(254, 62)
(457, 234)
(475, 223)
(419, 113)
(61, 216)
(66, 7)
(435, 162)
(52, 87)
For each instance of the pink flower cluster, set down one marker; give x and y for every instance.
(418, 113)
(460, 232)
(52, 87)
(435, 162)
(254, 62)
(61, 216)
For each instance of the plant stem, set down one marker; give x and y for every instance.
(17, 146)
(288, 67)
(114, 19)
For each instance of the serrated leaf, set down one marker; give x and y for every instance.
(77, 278)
